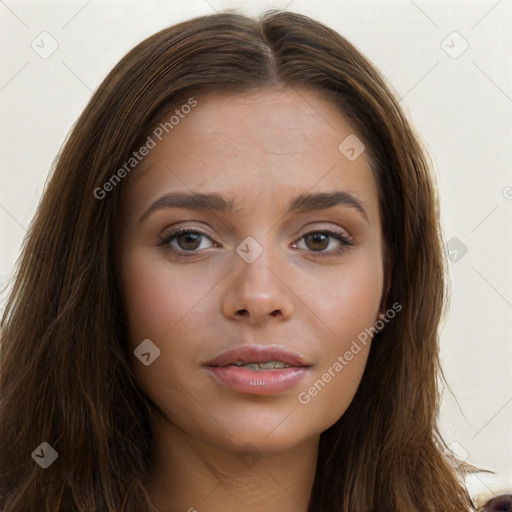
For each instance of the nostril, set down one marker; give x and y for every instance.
(501, 503)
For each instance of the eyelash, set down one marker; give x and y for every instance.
(167, 237)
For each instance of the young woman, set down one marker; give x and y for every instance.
(230, 293)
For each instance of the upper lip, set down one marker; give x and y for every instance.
(257, 354)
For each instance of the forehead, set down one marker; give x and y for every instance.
(269, 120)
(256, 144)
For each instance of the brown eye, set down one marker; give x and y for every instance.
(185, 241)
(189, 241)
(317, 241)
(324, 243)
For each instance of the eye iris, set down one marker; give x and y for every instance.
(318, 238)
(189, 238)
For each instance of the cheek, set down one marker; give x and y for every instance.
(157, 297)
(348, 306)
(163, 305)
(348, 300)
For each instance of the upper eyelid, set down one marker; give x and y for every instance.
(172, 231)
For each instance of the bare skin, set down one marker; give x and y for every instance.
(218, 448)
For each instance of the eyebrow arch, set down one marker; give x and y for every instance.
(191, 201)
(304, 202)
(321, 200)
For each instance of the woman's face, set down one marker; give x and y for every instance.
(295, 276)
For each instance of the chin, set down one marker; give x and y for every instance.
(264, 429)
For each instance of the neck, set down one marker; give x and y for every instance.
(191, 475)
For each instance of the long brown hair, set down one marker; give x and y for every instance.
(65, 371)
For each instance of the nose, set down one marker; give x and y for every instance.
(258, 291)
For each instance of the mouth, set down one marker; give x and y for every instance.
(266, 365)
(258, 370)
(259, 357)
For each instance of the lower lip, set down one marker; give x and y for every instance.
(257, 382)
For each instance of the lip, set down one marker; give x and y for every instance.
(258, 354)
(258, 382)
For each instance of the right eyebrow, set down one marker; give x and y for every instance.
(204, 202)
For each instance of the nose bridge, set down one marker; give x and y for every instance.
(256, 290)
(255, 268)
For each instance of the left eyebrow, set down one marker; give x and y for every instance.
(322, 200)
(304, 202)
